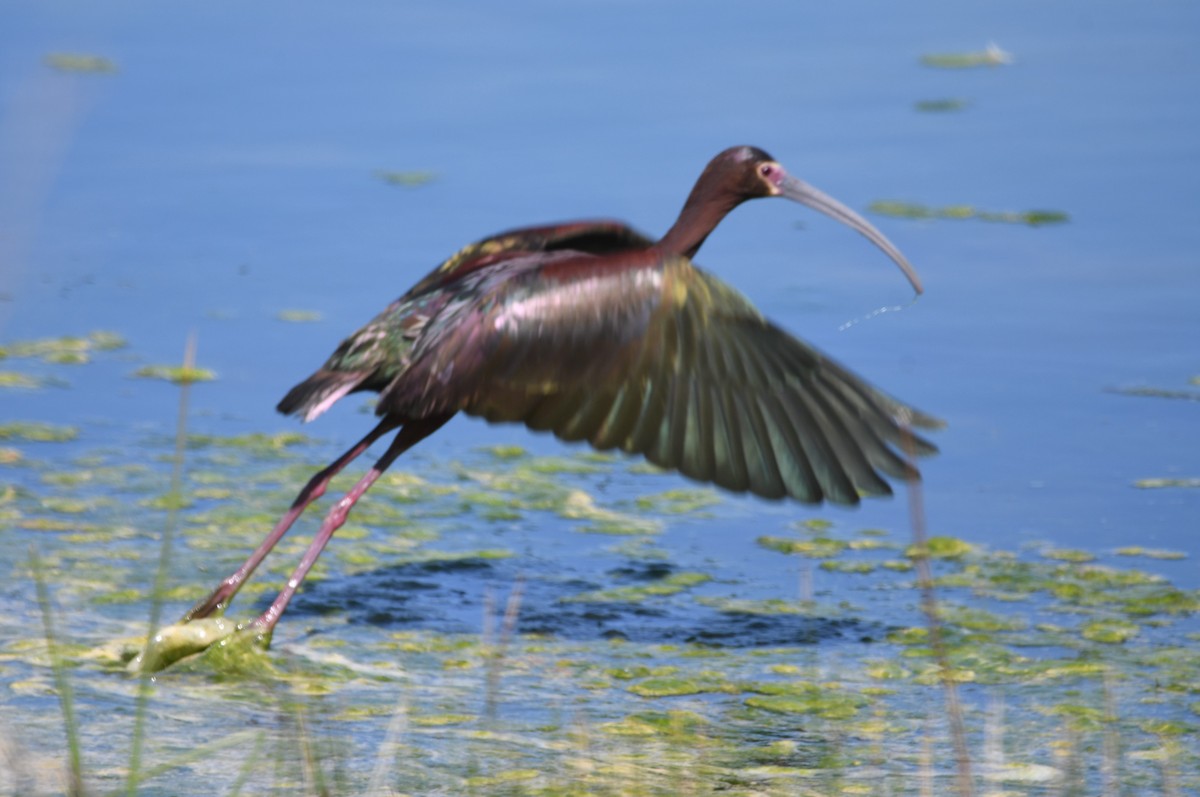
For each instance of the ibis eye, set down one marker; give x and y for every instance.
(765, 170)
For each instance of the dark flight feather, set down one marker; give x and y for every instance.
(649, 355)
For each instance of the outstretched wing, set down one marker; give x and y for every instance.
(658, 358)
(375, 355)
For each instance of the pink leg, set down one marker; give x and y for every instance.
(409, 435)
(223, 594)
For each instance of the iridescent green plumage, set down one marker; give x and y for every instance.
(376, 354)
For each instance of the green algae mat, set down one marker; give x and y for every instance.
(508, 623)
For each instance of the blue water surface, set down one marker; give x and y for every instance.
(228, 170)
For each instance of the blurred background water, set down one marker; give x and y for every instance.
(229, 169)
(227, 163)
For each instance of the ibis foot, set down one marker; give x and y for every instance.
(236, 643)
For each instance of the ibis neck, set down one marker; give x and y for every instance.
(699, 217)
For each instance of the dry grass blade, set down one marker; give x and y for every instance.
(160, 576)
(314, 774)
(1110, 772)
(498, 648)
(248, 766)
(61, 684)
(203, 752)
(964, 781)
(397, 728)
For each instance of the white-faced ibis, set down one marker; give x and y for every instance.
(594, 332)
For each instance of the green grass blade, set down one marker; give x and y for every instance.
(160, 576)
(61, 684)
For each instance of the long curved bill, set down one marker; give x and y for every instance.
(821, 202)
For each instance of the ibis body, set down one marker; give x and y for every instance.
(594, 332)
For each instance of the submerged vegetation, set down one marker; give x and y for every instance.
(941, 106)
(992, 55)
(297, 316)
(512, 623)
(36, 432)
(80, 62)
(497, 622)
(67, 350)
(618, 664)
(179, 374)
(912, 210)
(641, 675)
(406, 179)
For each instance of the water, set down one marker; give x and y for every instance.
(227, 172)
(215, 175)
